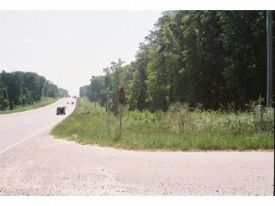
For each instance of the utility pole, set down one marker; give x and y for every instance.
(58, 84)
(269, 58)
(58, 80)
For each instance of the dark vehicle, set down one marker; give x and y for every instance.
(60, 110)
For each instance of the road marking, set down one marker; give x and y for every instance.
(25, 139)
(29, 137)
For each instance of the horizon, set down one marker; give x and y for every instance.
(68, 47)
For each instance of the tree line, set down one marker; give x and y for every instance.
(211, 59)
(21, 88)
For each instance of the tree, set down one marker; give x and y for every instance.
(137, 84)
(20, 88)
(214, 58)
(243, 35)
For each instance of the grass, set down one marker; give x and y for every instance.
(20, 108)
(178, 129)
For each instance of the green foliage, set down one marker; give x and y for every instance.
(243, 34)
(115, 76)
(181, 128)
(137, 87)
(21, 88)
(213, 58)
(116, 82)
(4, 102)
(21, 108)
(181, 119)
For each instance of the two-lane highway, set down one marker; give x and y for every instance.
(18, 127)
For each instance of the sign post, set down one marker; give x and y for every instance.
(107, 92)
(121, 101)
(94, 97)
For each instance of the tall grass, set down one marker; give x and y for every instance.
(180, 128)
(183, 120)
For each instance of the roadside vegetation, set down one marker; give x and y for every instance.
(21, 108)
(216, 59)
(195, 83)
(21, 91)
(180, 128)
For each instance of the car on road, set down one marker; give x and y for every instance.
(60, 110)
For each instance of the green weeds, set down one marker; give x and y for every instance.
(178, 129)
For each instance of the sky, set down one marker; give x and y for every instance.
(68, 47)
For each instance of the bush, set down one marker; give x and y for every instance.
(144, 119)
(179, 119)
(4, 103)
(182, 119)
(181, 128)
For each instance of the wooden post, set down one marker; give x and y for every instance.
(107, 105)
(120, 119)
(121, 101)
(107, 92)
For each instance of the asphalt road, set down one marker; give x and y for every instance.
(18, 127)
(34, 163)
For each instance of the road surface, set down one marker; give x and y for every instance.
(34, 163)
(18, 127)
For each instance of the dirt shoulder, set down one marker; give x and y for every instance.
(48, 166)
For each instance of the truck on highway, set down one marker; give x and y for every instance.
(60, 110)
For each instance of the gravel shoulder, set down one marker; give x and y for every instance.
(44, 165)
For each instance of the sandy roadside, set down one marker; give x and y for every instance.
(48, 166)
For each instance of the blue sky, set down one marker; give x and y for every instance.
(74, 44)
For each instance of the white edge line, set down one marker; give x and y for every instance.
(25, 139)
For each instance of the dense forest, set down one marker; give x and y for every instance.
(207, 59)
(21, 88)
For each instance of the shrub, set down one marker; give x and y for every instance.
(182, 119)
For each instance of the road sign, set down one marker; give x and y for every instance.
(107, 92)
(121, 95)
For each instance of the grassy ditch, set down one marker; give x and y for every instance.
(21, 108)
(178, 129)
